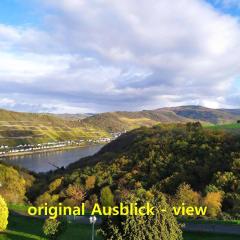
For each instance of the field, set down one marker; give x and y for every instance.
(21, 227)
(234, 127)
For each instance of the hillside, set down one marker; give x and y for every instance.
(214, 116)
(73, 117)
(146, 161)
(120, 121)
(22, 128)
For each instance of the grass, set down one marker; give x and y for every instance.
(22, 228)
(228, 127)
(18, 208)
(209, 236)
(197, 221)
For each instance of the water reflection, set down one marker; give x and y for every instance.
(43, 162)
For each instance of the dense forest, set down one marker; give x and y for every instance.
(185, 162)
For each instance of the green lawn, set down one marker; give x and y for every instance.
(209, 236)
(22, 228)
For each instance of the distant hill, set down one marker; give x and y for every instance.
(21, 128)
(119, 121)
(73, 117)
(18, 128)
(214, 116)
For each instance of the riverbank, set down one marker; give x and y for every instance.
(56, 149)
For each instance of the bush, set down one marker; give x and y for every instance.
(107, 198)
(3, 214)
(51, 228)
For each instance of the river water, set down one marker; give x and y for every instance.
(43, 162)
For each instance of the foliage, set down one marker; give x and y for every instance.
(213, 201)
(165, 158)
(3, 214)
(90, 182)
(14, 184)
(51, 200)
(162, 225)
(107, 198)
(51, 228)
(187, 196)
(55, 184)
(76, 193)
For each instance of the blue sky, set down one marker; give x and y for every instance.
(231, 7)
(19, 13)
(94, 56)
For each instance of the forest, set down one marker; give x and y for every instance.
(184, 162)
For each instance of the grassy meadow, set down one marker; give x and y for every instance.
(22, 228)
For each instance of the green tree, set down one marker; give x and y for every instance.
(13, 185)
(163, 225)
(107, 198)
(3, 214)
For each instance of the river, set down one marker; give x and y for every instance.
(43, 162)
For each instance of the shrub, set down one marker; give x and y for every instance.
(51, 228)
(3, 214)
(213, 201)
(107, 198)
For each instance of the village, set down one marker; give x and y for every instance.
(6, 150)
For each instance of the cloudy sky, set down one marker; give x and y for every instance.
(105, 55)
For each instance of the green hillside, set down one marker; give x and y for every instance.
(119, 121)
(22, 128)
(146, 161)
(214, 116)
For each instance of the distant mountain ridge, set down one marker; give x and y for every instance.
(18, 127)
(118, 121)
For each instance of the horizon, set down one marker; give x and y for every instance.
(79, 56)
(95, 113)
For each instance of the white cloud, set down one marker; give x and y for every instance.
(110, 55)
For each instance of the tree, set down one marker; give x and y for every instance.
(213, 201)
(90, 182)
(107, 198)
(163, 225)
(3, 214)
(47, 198)
(55, 185)
(186, 195)
(75, 193)
(13, 185)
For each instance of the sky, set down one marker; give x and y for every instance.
(82, 56)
